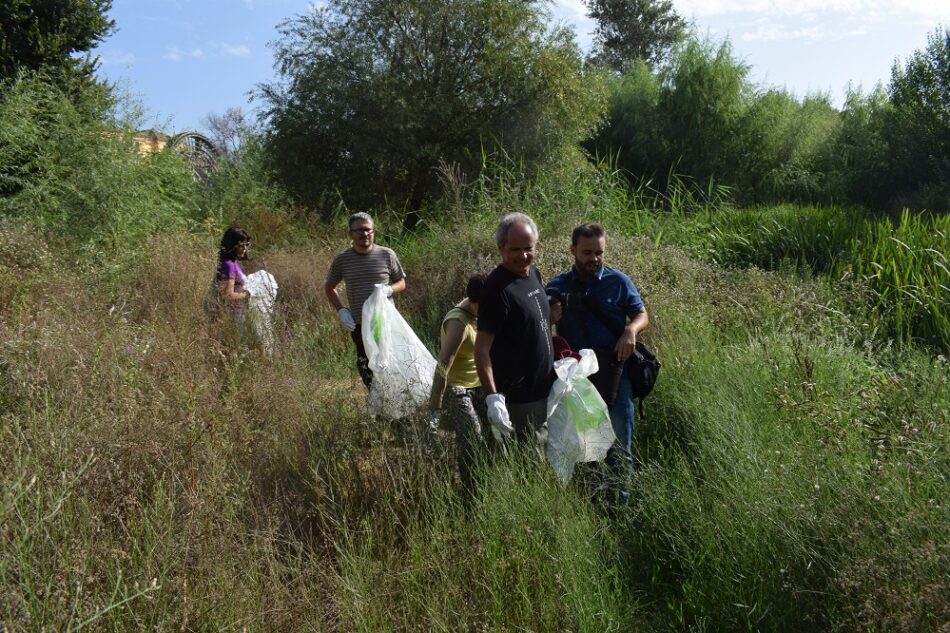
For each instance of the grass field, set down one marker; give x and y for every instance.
(791, 469)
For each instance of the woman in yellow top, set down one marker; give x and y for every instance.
(456, 401)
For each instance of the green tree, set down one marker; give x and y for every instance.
(55, 36)
(919, 134)
(631, 30)
(863, 169)
(704, 97)
(765, 130)
(375, 94)
(631, 136)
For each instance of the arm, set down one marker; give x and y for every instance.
(628, 339)
(333, 296)
(398, 286)
(483, 343)
(227, 291)
(451, 342)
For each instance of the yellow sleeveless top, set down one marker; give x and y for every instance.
(462, 372)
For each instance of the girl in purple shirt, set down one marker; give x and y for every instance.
(229, 276)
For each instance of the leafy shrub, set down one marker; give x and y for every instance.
(371, 116)
(78, 177)
(919, 130)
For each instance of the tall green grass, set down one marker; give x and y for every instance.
(791, 470)
(901, 261)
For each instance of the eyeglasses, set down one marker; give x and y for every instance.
(361, 230)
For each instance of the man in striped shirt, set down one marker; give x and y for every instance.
(360, 268)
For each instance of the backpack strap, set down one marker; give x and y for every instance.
(594, 308)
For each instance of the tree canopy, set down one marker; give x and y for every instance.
(631, 30)
(50, 36)
(375, 94)
(919, 126)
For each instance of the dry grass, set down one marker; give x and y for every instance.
(157, 479)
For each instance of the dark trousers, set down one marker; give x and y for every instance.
(362, 362)
(530, 420)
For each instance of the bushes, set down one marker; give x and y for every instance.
(374, 94)
(700, 116)
(918, 133)
(80, 178)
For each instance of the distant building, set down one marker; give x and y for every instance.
(150, 141)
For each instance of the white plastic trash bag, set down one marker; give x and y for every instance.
(579, 428)
(263, 289)
(402, 366)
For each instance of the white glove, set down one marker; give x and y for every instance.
(387, 290)
(346, 319)
(432, 420)
(498, 416)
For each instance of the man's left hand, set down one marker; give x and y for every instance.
(626, 344)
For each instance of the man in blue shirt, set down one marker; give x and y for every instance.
(597, 307)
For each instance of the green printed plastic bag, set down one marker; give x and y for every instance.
(579, 428)
(402, 366)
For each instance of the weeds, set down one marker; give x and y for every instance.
(791, 470)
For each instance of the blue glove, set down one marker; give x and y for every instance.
(346, 319)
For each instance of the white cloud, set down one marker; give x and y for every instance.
(175, 54)
(808, 21)
(117, 58)
(233, 50)
(571, 9)
(774, 33)
(778, 8)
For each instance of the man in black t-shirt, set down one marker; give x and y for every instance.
(513, 350)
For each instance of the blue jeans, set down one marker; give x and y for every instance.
(619, 460)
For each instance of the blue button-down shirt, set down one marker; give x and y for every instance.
(615, 295)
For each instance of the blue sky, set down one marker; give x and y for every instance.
(185, 58)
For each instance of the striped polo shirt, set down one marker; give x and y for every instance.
(360, 272)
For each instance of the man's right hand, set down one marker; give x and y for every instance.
(498, 416)
(346, 319)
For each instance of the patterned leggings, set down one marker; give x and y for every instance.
(464, 410)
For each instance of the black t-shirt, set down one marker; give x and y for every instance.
(515, 309)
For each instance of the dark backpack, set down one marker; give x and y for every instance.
(643, 368)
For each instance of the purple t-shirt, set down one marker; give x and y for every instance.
(230, 269)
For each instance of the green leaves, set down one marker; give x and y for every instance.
(629, 31)
(48, 35)
(375, 93)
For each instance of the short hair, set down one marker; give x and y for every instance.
(473, 289)
(229, 241)
(356, 217)
(501, 234)
(587, 229)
